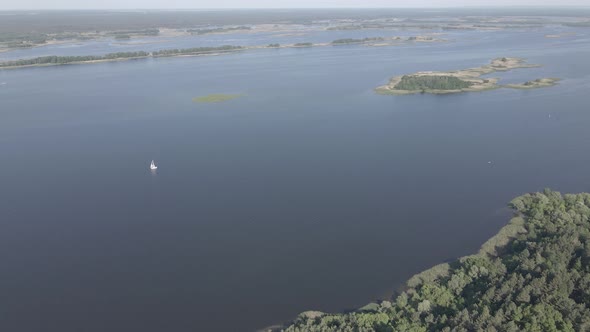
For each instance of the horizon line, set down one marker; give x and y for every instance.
(311, 8)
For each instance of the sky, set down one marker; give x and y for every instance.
(208, 4)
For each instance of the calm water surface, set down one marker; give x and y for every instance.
(310, 192)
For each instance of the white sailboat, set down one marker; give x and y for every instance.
(153, 166)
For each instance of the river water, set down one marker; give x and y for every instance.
(309, 192)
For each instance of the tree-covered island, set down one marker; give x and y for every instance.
(460, 80)
(63, 60)
(534, 275)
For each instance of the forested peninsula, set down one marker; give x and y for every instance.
(465, 80)
(534, 275)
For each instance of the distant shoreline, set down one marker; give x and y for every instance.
(171, 53)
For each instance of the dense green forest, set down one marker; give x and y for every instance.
(534, 275)
(62, 60)
(432, 82)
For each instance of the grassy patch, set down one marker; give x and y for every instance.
(215, 98)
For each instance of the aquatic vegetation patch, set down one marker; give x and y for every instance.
(216, 98)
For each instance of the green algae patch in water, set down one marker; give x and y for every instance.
(216, 98)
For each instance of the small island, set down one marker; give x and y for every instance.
(303, 45)
(538, 83)
(561, 35)
(465, 80)
(54, 60)
(216, 98)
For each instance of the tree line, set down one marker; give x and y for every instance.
(196, 50)
(60, 60)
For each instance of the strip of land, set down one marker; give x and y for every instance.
(120, 56)
(465, 80)
(561, 35)
(200, 51)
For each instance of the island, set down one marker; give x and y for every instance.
(216, 98)
(532, 276)
(53, 60)
(538, 83)
(306, 44)
(464, 80)
(561, 35)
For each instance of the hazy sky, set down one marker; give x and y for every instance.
(133, 4)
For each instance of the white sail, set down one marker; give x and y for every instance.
(153, 166)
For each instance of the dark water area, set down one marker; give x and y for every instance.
(310, 192)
